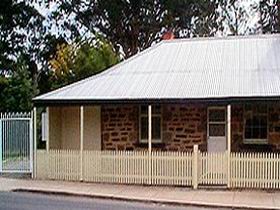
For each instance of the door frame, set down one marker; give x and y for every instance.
(225, 122)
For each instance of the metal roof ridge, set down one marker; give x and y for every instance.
(218, 38)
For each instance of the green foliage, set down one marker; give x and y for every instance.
(20, 23)
(132, 26)
(17, 91)
(91, 60)
(80, 60)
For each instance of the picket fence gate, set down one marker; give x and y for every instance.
(234, 170)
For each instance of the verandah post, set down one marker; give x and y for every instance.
(195, 166)
(228, 144)
(47, 131)
(48, 137)
(150, 142)
(81, 140)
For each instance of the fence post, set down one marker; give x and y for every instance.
(195, 166)
(228, 169)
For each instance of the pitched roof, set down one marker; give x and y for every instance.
(198, 68)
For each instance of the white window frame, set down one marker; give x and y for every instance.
(216, 123)
(255, 141)
(153, 115)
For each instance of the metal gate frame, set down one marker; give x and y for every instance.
(27, 116)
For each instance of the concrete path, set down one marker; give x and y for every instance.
(168, 195)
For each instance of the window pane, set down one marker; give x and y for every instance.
(144, 127)
(256, 122)
(263, 132)
(156, 109)
(144, 109)
(156, 128)
(217, 115)
(217, 129)
(248, 132)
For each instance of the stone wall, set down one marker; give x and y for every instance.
(119, 127)
(184, 126)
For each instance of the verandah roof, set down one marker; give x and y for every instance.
(185, 69)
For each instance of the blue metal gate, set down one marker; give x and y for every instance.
(16, 148)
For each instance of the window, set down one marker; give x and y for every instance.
(255, 124)
(217, 122)
(156, 124)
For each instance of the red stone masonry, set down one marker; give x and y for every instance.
(184, 126)
(119, 124)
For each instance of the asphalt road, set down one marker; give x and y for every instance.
(32, 201)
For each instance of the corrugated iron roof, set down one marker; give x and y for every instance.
(197, 68)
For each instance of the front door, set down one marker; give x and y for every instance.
(217, 141)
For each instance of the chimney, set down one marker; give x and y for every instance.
(168, 35)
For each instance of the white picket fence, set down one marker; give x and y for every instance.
(237, 170)
(255, 170)
(116, 167)
(129, 167)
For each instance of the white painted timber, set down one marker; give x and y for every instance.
(247, 170)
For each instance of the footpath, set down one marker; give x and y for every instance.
(233, 199)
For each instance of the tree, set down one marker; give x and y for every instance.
(80, 60)
(132, 26)
(63, 61)
(22, 36)
(94, 58)
(20, 25)
(17, 91)
(237, 17)
(269, 21)
(192, 18)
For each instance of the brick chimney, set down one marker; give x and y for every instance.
(168, 35)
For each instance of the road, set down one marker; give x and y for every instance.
(32, 201)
